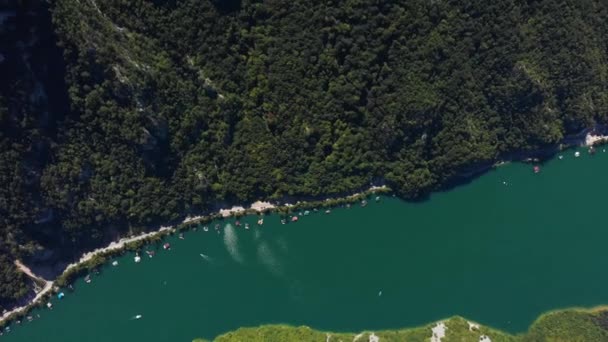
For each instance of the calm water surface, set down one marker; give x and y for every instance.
(498, 253)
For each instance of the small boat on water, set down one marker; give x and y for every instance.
(283, 221)
(167, 246)
(115, 263)
(217, 226)
(87, 279)
(363, 203)
(536, 169)
(306, 213)
(260, 221)
(205, 228)
(294, 219)
(49, 305)
(577, 154)
(137, 258)
(151, 253)
(60, 295)
(246, 225)
(377, 198)
(181, 236)
(238, 223)
(138, 316)
(327, 211)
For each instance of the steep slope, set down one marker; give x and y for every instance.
(175, 106)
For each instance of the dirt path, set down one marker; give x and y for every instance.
(48, 285)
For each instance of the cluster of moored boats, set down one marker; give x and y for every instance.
(167, 246)
(28, 318)
(592, 151)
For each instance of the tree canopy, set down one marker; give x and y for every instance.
(148, 110)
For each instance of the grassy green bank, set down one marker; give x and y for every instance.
(564, 325)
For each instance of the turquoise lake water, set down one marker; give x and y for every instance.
(501, 250)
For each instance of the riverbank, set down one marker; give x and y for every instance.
(586, 138)
(595, 139)
(357, 268)
(574, 324)
(40, 293)
(94, 258)
(88, 259)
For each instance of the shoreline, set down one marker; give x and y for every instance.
(125, 243)
(437, 330)
(585, 138)
(595, 139)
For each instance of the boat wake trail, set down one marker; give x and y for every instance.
(282, 244)
(231, 243)
(206, 257)
(269, 260)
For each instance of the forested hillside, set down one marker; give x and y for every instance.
(149, 110)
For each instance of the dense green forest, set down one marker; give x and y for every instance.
(117, 115)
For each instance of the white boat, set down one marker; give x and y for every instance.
(137, 316)
(114, 263)
(137, 258)
(577, 154)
